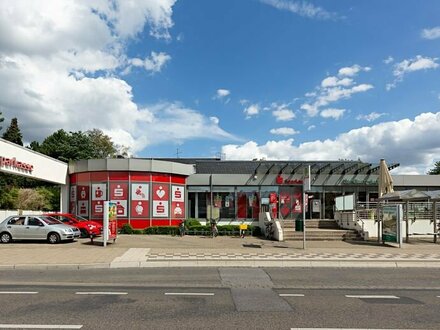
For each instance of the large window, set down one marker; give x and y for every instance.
(248, 202)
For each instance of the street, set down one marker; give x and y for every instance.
(221, 298)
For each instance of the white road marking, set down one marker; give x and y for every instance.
(102, 293)
(372, 297)
(188, 294)
(291, 295)
(18, 292)
(39, 326)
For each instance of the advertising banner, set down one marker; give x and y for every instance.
(99, 192)
(110, 222)
(83, 193)
(391, 224)
(83, 208)
(118, 191)
(97, 209)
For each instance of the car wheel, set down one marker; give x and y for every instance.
(5, 238)
(53, 238)
(84, 233)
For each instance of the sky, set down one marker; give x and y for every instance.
(237, 79)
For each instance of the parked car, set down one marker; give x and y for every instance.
(36, 227)
(88, 228)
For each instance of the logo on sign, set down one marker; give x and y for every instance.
(160, 192)
(118, 192)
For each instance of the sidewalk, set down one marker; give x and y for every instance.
(197, 251)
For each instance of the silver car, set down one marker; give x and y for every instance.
(35, 227)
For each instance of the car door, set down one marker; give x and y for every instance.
(16, 227)
(35, 229)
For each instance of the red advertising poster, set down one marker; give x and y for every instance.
(83, 193)
(297, 204)
(118, 191)
(97, 209)
(160, 192)
(83, 208)
(177, 210)
(139, 209)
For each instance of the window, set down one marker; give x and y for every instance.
(18, 221)
(34, 222)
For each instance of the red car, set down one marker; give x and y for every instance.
(88, 228)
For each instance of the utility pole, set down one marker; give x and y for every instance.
(177, 153)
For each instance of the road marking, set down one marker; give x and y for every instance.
(291, 295)
(188, 294)
(18, 292)
(372, 297)
(103, 293)
(39, 326)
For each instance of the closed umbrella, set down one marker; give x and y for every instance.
(385, 180)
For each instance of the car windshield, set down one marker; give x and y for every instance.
(50, 220)
(81, 218)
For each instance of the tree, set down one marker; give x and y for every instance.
(32, 199)
(77, 145)
(13, 133)
(435, 170)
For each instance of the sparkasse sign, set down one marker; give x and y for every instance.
(15, 164)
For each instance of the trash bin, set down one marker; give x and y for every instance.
(299, 224)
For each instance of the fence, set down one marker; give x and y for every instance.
(420, 220)
(7, 213)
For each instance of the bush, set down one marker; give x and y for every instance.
(161, 230)
(189, 223)
(127, 229)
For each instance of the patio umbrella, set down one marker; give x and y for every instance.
(385, 180)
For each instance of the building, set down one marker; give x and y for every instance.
(150, 192)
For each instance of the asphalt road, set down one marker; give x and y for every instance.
(222, 298)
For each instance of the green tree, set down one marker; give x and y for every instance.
(103, 147)
(77, 145)
(32, 199)
(435, 170)
(13, 133)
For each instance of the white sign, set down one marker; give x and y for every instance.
(121, 208)
(99, 192)
(178, 194)
(73, 193)
(160, 209)
(139, 191)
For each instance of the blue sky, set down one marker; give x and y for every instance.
(273, 79)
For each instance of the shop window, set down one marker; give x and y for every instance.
(248, 204)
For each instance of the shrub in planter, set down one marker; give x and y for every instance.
(161, 230)
(189, 223)
(127, 229)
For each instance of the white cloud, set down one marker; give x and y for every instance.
(414, 64)
(335, 81)
(332, 113)
(60, 60)
(412, 143)
(311, 127)
(283, 131)
(352, 70)
(282, 112)
(371, 116)
(388, 60)
(252, 110)
(153, 63)
(430, 34)
(302, 8)
(221, 94)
